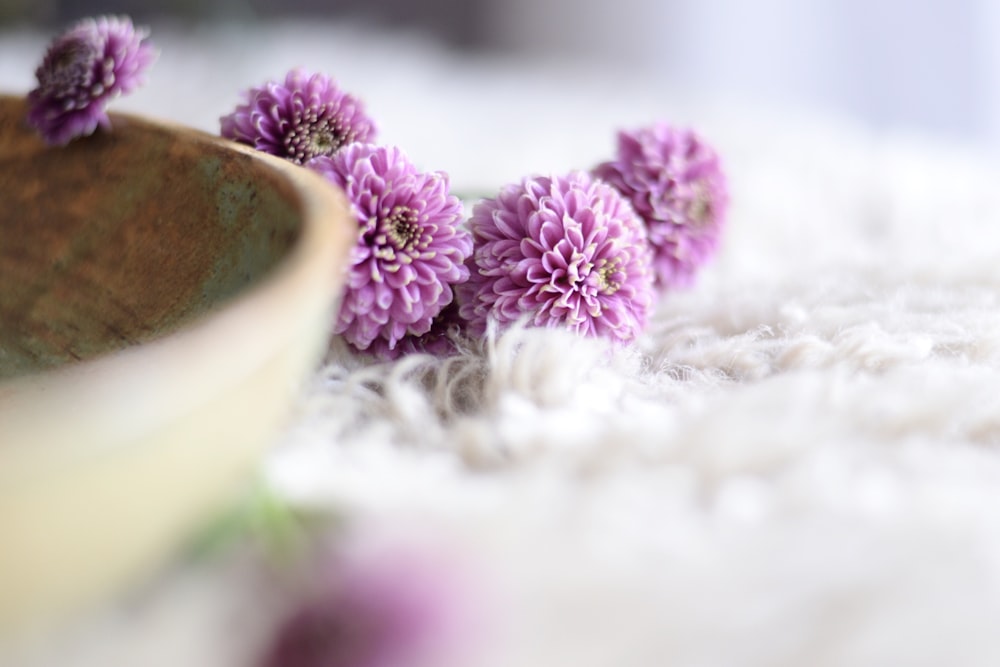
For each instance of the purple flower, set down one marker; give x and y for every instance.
(410, 251)
(84, 68)
(305, 117)
(395, 608)
(566, 251)
(676, 184)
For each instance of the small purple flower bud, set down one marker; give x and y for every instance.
(84, 68)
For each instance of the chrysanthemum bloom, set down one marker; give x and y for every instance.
(84, 68)
(305, 116)
(676, 184)
(390, 609)
(410, 250)
(565, 251)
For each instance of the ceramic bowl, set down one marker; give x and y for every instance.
(163, 295)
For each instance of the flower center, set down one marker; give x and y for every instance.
(397, 233)
(699, 210)
(314, 134)
(323, 142)
(401, 228)
(68, 72)
(609, 275)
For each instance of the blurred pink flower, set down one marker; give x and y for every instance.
(388, 607)
(86, 67)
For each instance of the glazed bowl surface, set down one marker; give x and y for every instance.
(163, 296)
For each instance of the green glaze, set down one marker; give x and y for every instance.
(125, 236)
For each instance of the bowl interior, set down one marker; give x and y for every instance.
(122, 237)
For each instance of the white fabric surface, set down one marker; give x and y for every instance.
(796, 466)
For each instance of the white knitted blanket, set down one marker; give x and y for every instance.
(797, 465)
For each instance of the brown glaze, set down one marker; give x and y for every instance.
(120, 237)
(231, 260)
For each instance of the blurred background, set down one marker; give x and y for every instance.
(928, 65)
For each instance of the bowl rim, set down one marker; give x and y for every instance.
(303, 279)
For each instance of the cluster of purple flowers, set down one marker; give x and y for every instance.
(412, 247)
(587, 250)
